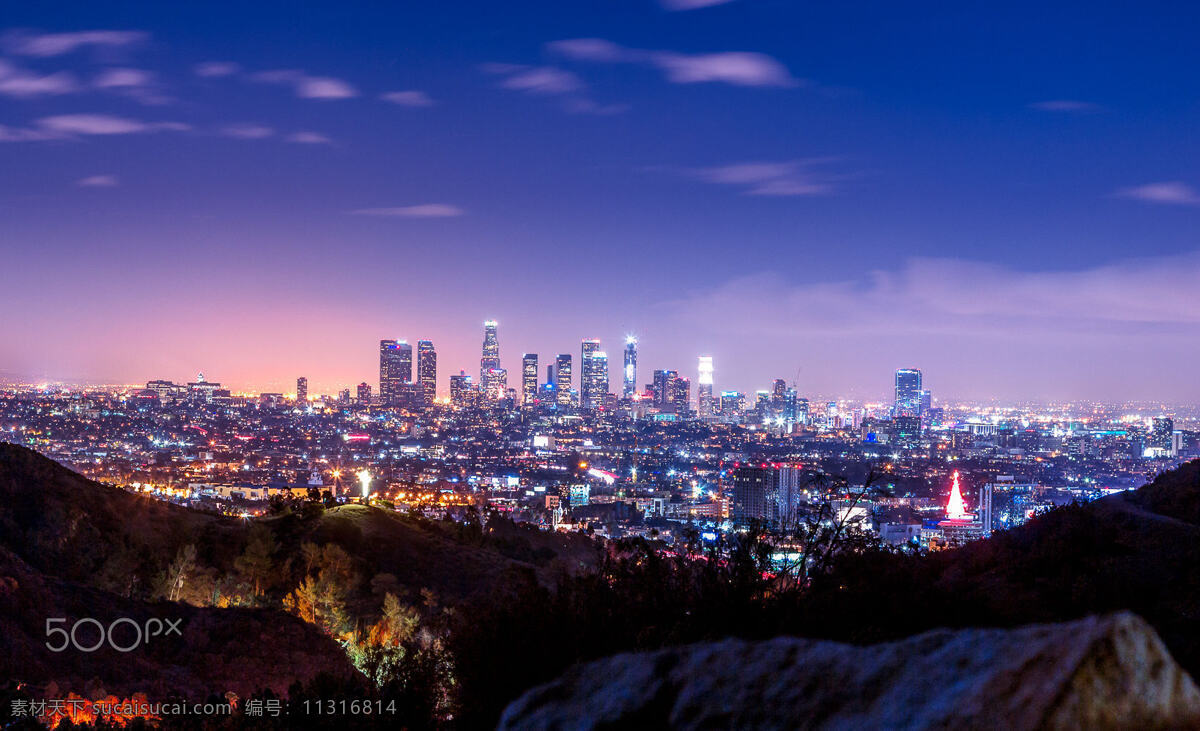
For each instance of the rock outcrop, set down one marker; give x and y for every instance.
(1098, 672)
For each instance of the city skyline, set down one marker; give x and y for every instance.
(832, 190)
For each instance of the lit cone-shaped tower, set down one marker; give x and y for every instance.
(956, 509)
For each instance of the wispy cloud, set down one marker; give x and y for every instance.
(543, 80)
(426, 210)
(552, 82)
(57, 44)
(738, 68)
(786, 178)
(690, 4)
(583, 105)
(410, 98)
(1065, 105)
(1172, 193)
(309, 138)
(941, 296)
(308, 87)
(20, 83)
(215, 69)
(26, 134)
(932, 309)
(98, 181)
(247, 131)
(136, 84)
(67, 126)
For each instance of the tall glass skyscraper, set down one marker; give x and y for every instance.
(908, 392)
(427, 371)
(395, 368)
(589, 395)
(704, 393)
(529, 379)
(599, 380)
(562, 379)
(491, 357)
(629, 374)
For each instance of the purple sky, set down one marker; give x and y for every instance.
(1007, 198)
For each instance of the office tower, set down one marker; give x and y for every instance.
(908, 392)
(1162, 432)
(460, 385)
(778, 395)
(732, 405)
(562, 379)
(704, 395)
(302, 390)
(629, 375)
(926, 400)
(364, 394)
(762, 405)
(395, 368)
(529, 382)
(661, 386)
(681, 396)
(344, 396)
(426, 372)
(589, 397)
(497, 383)
(802, 411)
(754, 494)
(491, 359)
(789, 406)
(599, 380)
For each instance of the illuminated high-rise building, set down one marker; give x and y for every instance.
(778, 397)
(681, 396)
(790, 410)
(497, 383)
(491, 359)
(427, 371)
(599, 379)
(629, 374)
(395, 368)
(908, 392)
(1162, 433)
(590, 395)
(460, 389)
(704, 394)
(529, 379)
(302, 390)
(663, 388)
(364, 394)
(562, 379)
(733, 403)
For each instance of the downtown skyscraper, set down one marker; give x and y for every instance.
(492, 380)
(562, 379)
(908, 392)
(395, 369)
(529, 379)
(591, 394)
(629, 372)
(704, 394)
(427, 371)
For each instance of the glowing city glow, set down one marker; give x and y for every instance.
(364, 481)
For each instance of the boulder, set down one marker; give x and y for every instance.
(1099, 672)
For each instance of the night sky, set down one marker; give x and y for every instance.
(1005, 195)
